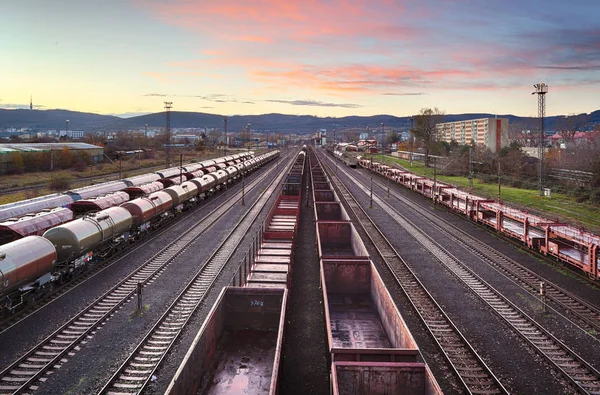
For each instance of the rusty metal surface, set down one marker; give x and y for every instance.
(237, 348)
(360, 378)
(355, 322)
(330, 211)
(324, 196)
(243, 363)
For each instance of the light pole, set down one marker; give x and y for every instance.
(498, 177)
(541, 90)
(248, 137)
(411, 140)
(471, 168)
(67, 129)
(382, 147)
(226, 137)
(434, 178)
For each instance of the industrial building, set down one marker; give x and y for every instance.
(95, 152)
(490, 132)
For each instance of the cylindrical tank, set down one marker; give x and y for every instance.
(202, 183)
(83, 235)
(220, 176)
(23, 261)
(232, 171)
(191, 189)
(209, 182)
(146, 208)
(179, 194)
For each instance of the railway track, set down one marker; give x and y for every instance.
(587, 315)
(584, 377)
(89, 180)
(51, 352)
(464, 360)
(12, 320)
(135, 373)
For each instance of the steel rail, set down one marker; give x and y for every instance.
(58, 292)
(586, 313)
(49, 353)
(584, 377)
(469, 367)
(135, 373)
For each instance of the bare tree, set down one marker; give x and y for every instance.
(425, 128)
(569, 125)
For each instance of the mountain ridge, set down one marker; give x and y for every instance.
(56, 119)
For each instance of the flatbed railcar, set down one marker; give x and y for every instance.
(82, 241)
(247, 322)
(372, 350)
(572, 246)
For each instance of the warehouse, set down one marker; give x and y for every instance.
(8, 150)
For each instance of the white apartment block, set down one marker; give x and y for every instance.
(490, 132)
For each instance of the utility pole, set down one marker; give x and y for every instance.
(120, 166)
(498, 178)
(248, 137)
(382, 146)
(371, 193)
(411, 141)
(434, 178)
(470, 167)
(51, 163)
(180, 168)
(541, 90)
(243, 190)
(226, 138)
(67, 130)
(168, 106)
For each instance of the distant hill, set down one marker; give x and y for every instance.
(56, 119)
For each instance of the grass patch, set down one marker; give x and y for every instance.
(559, 206)
(82, 380)
(138, 313)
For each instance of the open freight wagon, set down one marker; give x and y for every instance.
(237, 350)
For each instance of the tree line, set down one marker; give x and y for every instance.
(511, 165)
(26, 162)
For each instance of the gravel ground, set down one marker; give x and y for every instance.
(556, 322)
(486, 332)
(125, 328)
(305, 362)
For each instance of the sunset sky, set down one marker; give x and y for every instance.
(325, 58)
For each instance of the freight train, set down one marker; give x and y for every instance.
(347, 153)
(35, 216)
(575, 247)
(30, 265)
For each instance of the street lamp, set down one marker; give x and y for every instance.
(67, 129)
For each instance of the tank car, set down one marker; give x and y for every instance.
(96, 190)
(76, 238)
(181, 194)
(135, 192)
(144, 209)
(233, 173)
(18, 209)
(220, 177)
(84, 206)
(141, 180)
(25, 264)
